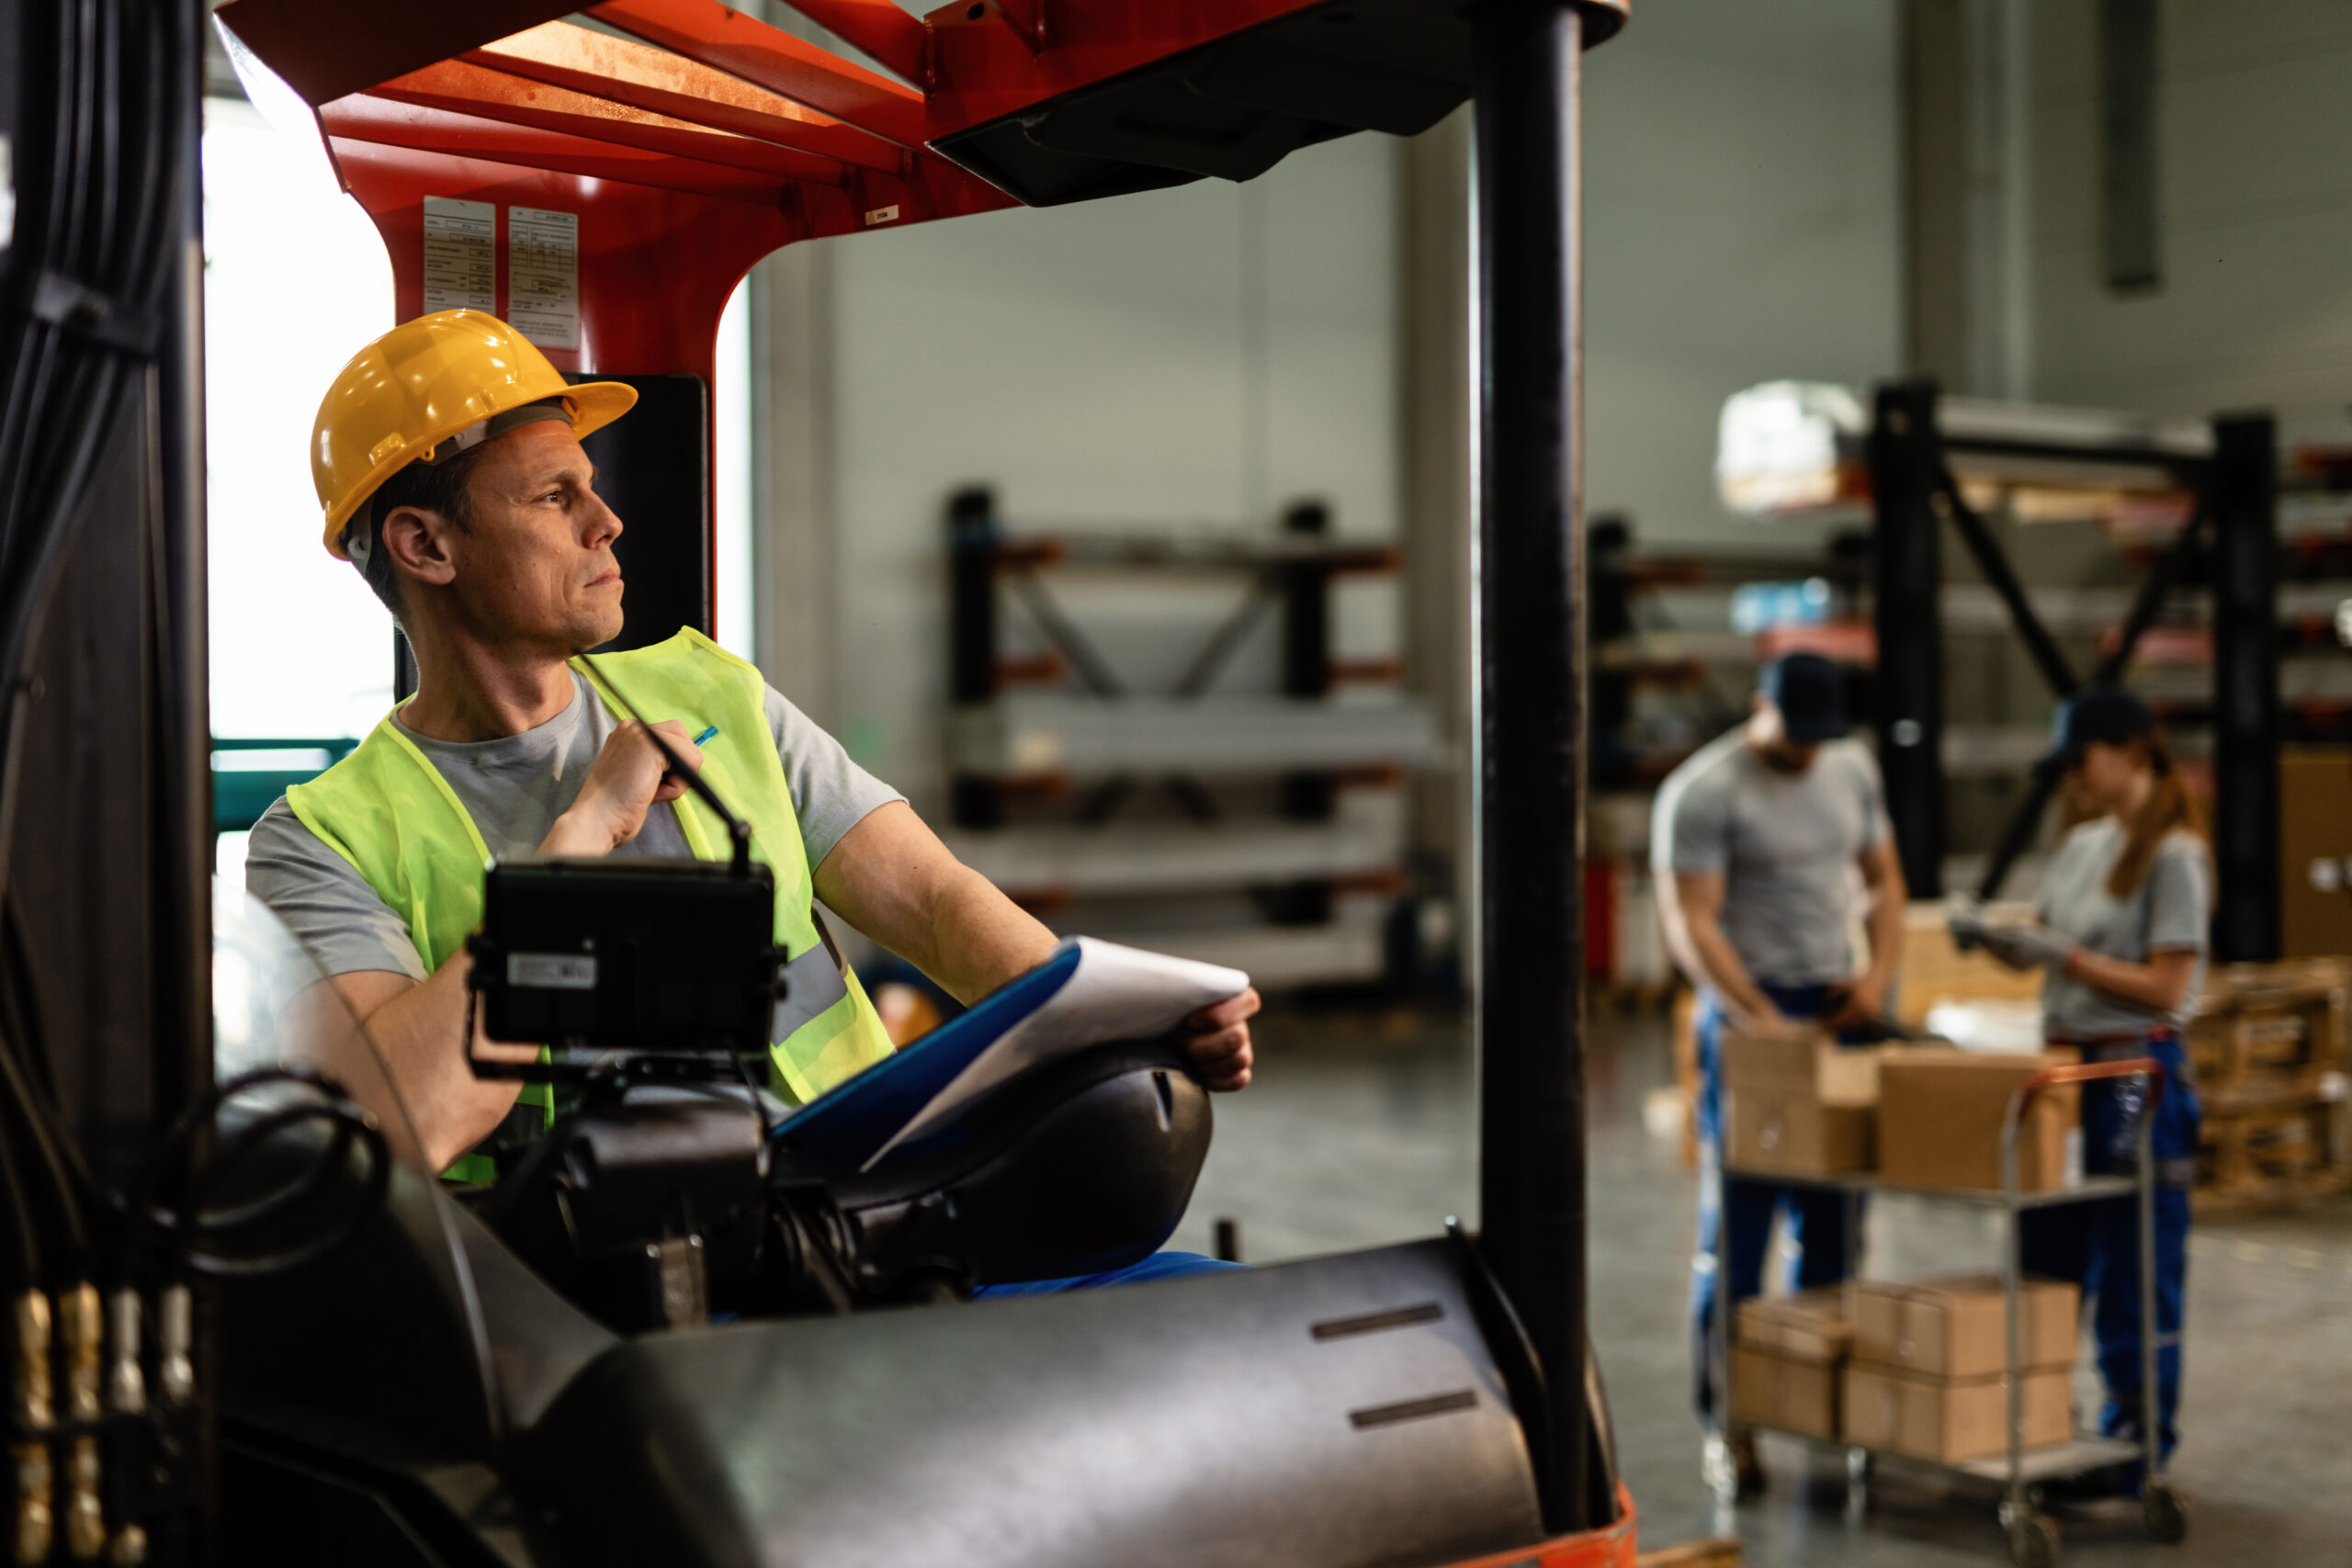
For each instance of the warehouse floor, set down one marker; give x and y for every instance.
(1360, 1130)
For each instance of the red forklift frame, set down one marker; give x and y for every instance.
(705, 138)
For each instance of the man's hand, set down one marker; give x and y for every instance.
(1862, 1000)
(630, 779)
(1217, 1039)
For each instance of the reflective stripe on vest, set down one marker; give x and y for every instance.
(389, 812)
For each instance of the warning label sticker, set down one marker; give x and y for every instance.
(460, 254)
(543, 276)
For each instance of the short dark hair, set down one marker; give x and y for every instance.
(442, 488)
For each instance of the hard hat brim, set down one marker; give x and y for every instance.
(595, 404)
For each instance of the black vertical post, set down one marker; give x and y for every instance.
(182, 1065)
(1306, 605)
(1306, 650)
(972, 538)
(1530, 670)
(1906, 458)
(2245, 689)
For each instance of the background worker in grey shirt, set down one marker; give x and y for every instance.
(2120, 924)
(1762, 845)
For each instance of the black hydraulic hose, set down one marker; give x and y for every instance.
(27, 1250)
(108, 152)
(80, 111)
(192, 1235)
(21, 1023)
(65, 395)
(30, 579)
(69, 1236)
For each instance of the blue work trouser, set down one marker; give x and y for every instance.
(1159, 1266)
(1816, 1218)
(2097, 1245)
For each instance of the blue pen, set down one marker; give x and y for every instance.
(706, 735)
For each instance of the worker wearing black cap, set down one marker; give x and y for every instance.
(1760, 843)
(2120, 926)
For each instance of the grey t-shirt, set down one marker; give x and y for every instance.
(514, 788)
(1786, 845)
(2168, 913)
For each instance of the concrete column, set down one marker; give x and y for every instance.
(794, 501)
(1967, 74)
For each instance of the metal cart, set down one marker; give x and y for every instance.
(2032, 1534)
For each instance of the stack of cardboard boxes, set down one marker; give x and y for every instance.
(1926, 1375)
(2268, 1046)
(1796, 1103)
(1912, 1368)
(1788, 1356)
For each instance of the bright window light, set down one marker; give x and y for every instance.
(295, 282)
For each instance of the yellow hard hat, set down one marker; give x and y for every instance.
(439, 378)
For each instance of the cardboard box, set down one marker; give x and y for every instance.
(1956, 1328)
(1784, 1392)
(1786, 1134)
(1796, 1103)
(1951, 1422)
(1803, 1063)
(1811, 1326)
(1940, 1116)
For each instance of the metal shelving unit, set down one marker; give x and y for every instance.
(2197, 504)
(1287, 853)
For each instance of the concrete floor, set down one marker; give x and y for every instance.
(1361, 1129)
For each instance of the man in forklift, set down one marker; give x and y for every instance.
(447, 458)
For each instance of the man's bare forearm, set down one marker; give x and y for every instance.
(409, 1033)
(994, 938)
(891, 879)
(1725, 972)
(1887, 923)
(1890, 913)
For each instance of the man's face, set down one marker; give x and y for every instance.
(1770, 736)
(538, 565)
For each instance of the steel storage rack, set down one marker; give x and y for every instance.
(1292, 797)
(2018, 1472)
(2207, 489)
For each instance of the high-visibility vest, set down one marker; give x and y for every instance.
(387, 809)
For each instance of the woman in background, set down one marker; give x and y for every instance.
(2121, 928)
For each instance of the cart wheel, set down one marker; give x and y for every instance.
(2165, 1511)
(1857, 1482)
(2033, 1540)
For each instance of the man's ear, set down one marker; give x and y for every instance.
(417, 540)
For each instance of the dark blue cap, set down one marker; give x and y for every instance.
(1810, 696)
(2106, 714)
